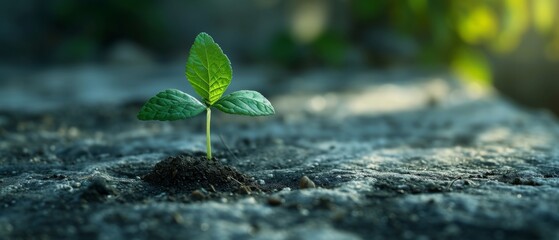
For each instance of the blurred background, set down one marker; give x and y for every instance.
(509, 45)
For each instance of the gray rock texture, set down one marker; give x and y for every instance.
(393, 155)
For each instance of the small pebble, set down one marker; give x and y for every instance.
(198, 195)
(286, 189)
(306, 182)
(178, 218)
(273, 201)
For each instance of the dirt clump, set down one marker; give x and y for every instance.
(185, 172)
(97, 191)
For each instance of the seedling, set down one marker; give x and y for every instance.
(209, 72)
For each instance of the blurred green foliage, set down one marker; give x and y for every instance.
(459, 34)
(465, 33)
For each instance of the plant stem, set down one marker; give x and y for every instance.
(208, 140)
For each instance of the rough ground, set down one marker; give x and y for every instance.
(394, 155)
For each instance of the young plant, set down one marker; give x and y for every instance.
(209, 72)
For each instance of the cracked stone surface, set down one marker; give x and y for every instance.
(393, 154)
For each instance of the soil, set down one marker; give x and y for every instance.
(391, 155)
(186, 172)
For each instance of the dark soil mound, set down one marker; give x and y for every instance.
(97, 191)
(194, 172)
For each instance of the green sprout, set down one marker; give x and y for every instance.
(209, 72)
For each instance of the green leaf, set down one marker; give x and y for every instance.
(208, 69)
(170, 105)
(245, 102)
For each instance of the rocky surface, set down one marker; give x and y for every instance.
(392, 155)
